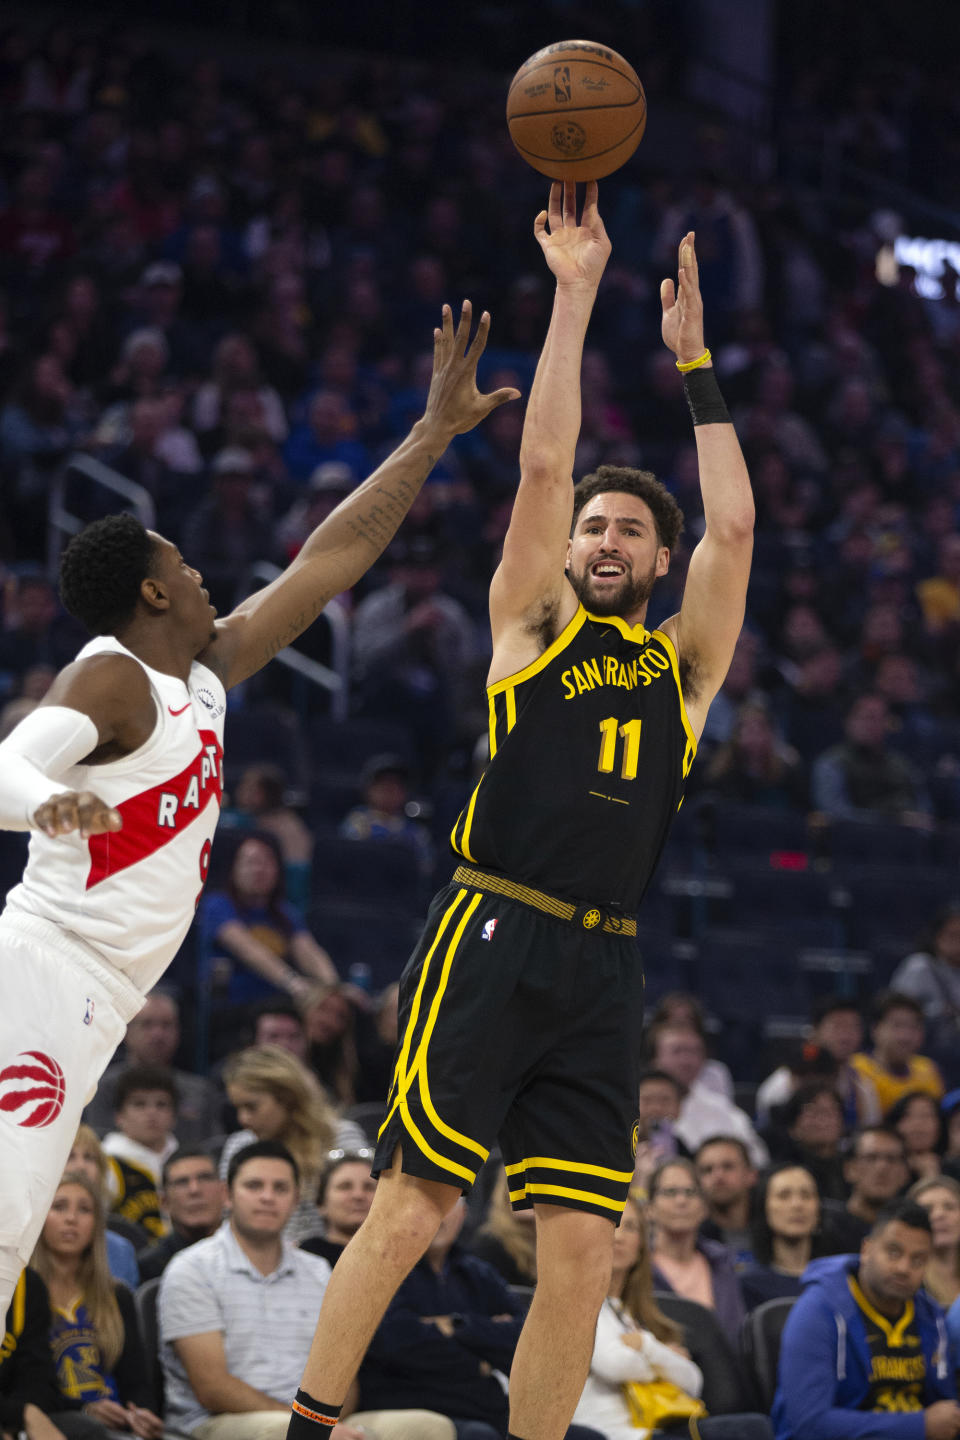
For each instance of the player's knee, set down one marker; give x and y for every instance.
(407, 1211)
(574, 1251)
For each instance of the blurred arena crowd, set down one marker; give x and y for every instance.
(220, 280)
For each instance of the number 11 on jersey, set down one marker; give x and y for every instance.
(630, 732)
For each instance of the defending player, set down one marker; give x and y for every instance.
(521, 1008)
(118, 774)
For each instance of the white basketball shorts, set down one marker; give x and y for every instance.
(62, 1015)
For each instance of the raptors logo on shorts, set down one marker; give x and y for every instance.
(32, 1090)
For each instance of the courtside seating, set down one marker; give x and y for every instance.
(724, 1389)
(760, 1345)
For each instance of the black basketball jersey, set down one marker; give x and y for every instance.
(590, 747)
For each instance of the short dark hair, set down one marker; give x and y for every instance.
(833, 1005)
(134, 1078)
(733, 1140)
(908, 1212)
(277, 1007)
(789, 1113)
(887, 1131)
(185, 1152)
(261, 1150)
(101, 572)
(667, 515)
(654, 1074)
(889, 1000)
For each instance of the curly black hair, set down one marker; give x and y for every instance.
(101, 571)
(667, 515)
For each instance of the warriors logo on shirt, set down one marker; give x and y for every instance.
(32, 1090)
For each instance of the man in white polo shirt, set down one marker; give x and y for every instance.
(237, 1313)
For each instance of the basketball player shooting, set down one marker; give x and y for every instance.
(118, 774)
(521, 1008)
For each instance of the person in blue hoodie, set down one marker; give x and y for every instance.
(865, 1353)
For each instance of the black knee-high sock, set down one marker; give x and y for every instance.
(311, 1419)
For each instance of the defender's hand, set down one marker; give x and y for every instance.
(682, 322)
(575, 253)
(454, 402)
(76, 810)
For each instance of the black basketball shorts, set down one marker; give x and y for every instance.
(518, 1025)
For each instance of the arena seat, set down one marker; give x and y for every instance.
(725, 1391)
(752, 829)
(261, 732)
(385, 872)
(878, 841)
(760, 1347)
(379, 937)
(345, 747)
(13, 857)
(145, 1298)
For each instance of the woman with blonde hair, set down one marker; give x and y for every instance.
(89, 1157)
(97, 1351)
(277, 1098)
(940, 1197)
(507, 1239)
(637, 1345)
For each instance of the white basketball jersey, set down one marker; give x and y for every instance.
(131, 895)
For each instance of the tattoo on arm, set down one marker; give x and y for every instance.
(296, 627)
(377, 524)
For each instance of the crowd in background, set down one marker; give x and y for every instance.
(221, 281)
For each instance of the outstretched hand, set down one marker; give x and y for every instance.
(575, 253)
(454, 401)
(682, 321)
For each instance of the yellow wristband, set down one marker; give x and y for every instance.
(684, 365)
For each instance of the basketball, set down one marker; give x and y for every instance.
(576, 111)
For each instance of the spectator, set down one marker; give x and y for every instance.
(228, 527)
(682, 1054)
(413, 646)
(728, 1181)
(950, 1109)
(894, 1067)
(940, 1197)
(264, 936)
(507, 1239)
(192, 1198)
(329, 1020)
(36, 632)
(87, 1156)
(863, 1337)
(30, 1403)
(278, 1022)
(328, 433)
(939, 595)
(224, 1297)
(278, 1099)
(808, 1131)
(755, 766)
(153, 1038)
(235, 367)
(917, 1120)
(931, 976)
(683, 1261)
(862, 778)
(145, 1111)
(679, 1007)
(785, 1233)
(637, 1344)
(383, 814)
(343, 1202)
(98, 1354)
(876, 1171)
(259, 802)
(377, 1045)
(837, 1029)
(659, 1099)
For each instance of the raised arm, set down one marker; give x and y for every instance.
(349, 541)
(530, 600)
(711, 613)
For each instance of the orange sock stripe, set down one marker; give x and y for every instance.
(315, 1415)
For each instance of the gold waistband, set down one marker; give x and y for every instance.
(591, 917)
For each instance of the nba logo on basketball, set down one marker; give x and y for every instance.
(489, 928)
(32, 1090)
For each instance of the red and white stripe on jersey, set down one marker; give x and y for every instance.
(131, 894)
(155, 816)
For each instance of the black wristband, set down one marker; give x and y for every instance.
(704, 399)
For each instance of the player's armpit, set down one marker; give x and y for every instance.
(708, 624)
